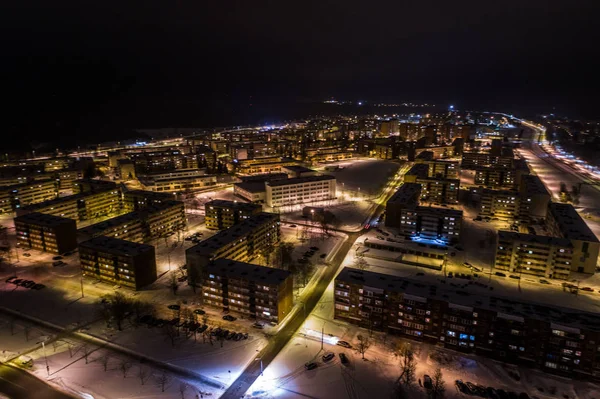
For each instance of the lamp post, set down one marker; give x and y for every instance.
(261, 364)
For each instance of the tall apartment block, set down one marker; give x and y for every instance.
(46, 233)
(549, 337)
(434, 189)
(17, 196)
(472, 159)
(135, 200)
(300, 190)
(503, 204)
(222, 214)
(441, 168)
(541, 256)
(117, 261)
(261, 292)
(563, 221)
(422, 222)
(242, 242)
(92, 185)
(534, 198)
(493, 176)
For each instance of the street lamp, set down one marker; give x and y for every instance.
(45, 357)
(261, 364)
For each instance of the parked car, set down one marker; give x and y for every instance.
(427, 383)
(500, 274)
(343, 358)
(258, 325)
(542, 281)
(322, 256)
(58, 263)
(58, 257)
(174, 307)
(292, 225)
(314, 248)
(311, 365)
(515, 277)
(588, 289)
(462, 387)
(199, 311)
(26, 254)
(229, 317)
(344, 344)
(10, 279)
(328, 356)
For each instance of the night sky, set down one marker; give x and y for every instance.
(74, 66)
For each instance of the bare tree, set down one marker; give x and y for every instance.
(407, 365)
(117, 306)
(438, 386)
(139, 309)
(27, 332)
(182, 388)
(163, 380)
(125, 365)
(364, 343)
(86, 352)
(104, 360)
(174, 285)
(170, 333)
(143, 374)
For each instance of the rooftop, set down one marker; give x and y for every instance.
(407, 194)
(299, 180)
(262, 177)
(26, 185)
(67, 199)
(247, 271)
(116, 246)
(571, 225)
(521, 310)
(298, 169)
(419, 170)
(532, 238)
(533, 185)
(236, 232)
(252, 186)
(42, 219)
(233, 204)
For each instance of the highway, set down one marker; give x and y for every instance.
(19, 384)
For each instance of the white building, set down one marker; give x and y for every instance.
(300, 190)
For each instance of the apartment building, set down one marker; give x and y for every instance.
(222, 214)
(472, 159)
(253, 191)
(550, 337)
(66, 177)
(120, 262)
(406, 197)
(493, 176)
(83, 206)
(300, 190)
(265, 165)
(534, 198)
(259, 292)
(15, 197)
(150, 222)
(134, 200)
(294, 171)
(433, 189)
(177, 183)
(563, 221)
(541, 256)
(441, 168)
(92, 185)
(503, 204)
(243, 242)
(163, 160)
(46, 233)
(442, 225)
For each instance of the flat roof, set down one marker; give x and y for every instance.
(252, 186)
(571, 225)
(69, 198)
(247, 271)
(533, 185)
(116, 246)
(43, 219)
(299, 180)
(298, 168)
(249, 206)
(30, 184)
(533, 238)
(419, 169)
(407, 193)
(550, 313)
(147, 193)
(225, 237)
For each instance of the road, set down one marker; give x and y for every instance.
(19, 384)
(310, 298)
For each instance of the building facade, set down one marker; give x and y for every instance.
(120, 262)
(300, 190)
(263, 293)
(46, 233)
(17, 196)
(222, 214)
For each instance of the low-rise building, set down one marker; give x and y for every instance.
(46, 233)
(406, 197)
(550, 337)
(300, 190)
(177, 183)
(432, 223)
(222, 214)
(263, 293)
(243, 241)
(294, 171)
(253, 191)
(121, 262)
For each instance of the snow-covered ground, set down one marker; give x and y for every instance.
(375, 376)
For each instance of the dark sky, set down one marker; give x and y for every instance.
(77, 63)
